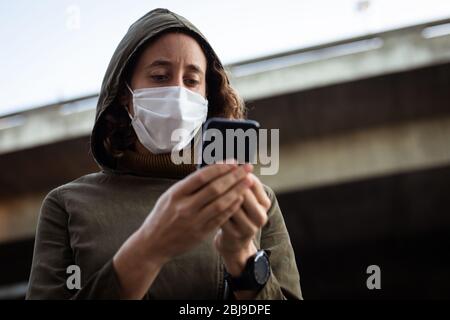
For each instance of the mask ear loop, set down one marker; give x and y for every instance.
(126, 106)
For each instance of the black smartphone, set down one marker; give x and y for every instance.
(224, 139)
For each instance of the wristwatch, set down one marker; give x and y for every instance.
(255, 274)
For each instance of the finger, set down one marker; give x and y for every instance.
(219, 186)
(243, 224)
(201, 177)
(219, 219)
(230, 228)
(221, 204)
(260, 193)
(255, 212)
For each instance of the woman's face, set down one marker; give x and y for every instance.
(174, 59)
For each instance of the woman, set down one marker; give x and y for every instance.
(145, 227)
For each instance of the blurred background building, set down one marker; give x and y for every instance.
(364, 173)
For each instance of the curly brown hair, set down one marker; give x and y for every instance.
(116, 131)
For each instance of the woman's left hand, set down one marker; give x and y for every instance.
(234, 240)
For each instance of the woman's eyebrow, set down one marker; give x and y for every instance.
(158, 63)
(195, 68)
(167, 63)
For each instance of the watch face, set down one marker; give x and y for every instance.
(261, 268)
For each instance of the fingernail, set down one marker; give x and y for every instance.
(231, 162)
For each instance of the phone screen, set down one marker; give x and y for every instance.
(229, 139)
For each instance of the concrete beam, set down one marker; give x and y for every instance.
(384, 53)
(13, 291)
(362, 154)
(47, 125)
(19, 216)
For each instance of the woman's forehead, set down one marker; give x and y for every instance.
(175, 47)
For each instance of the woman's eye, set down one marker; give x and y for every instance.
(159, 77)
(191, 82)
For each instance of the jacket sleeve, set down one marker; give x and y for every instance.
(284, 281)
(53, 255)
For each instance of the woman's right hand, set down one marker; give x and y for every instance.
(194, 207)
(183, 216)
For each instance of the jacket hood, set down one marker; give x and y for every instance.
(143, 30)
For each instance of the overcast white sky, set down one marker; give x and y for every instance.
(57, 49)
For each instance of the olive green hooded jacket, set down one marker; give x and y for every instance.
(85, 222)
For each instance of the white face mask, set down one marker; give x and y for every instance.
(160, 111)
